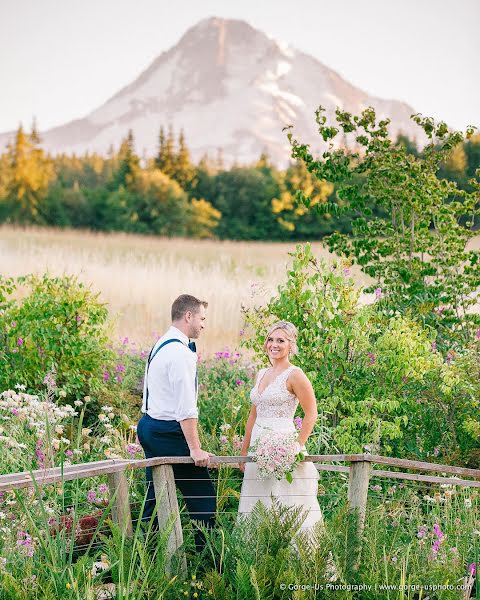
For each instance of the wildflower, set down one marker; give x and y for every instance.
(239, 382)
(86, 399)
(59, 429)
(49, 380)
(436, 451)
(477, 334)
(468, 503)
(78, 403)
(377, 488)
(69, 453)
(62, 393)
(101, 565)
(102, 417)
(133, 449)
(225, 427)
(472, 569)
(422, 532)
(91, 496)
(394, 559)
(434, 346)
(20, 387)
(106, 376)
(372, 357)
(20, 341)
(298, 422)
(223, 440)
(237, 442)
(102, 488)
(378, 293)
(242, 332)
(13, 324)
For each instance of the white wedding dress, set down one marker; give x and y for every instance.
(275, 411)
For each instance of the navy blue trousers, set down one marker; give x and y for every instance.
(165, 438)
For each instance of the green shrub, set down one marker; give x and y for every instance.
(53, 325)
(376, 375)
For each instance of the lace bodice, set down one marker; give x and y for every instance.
(275, 400)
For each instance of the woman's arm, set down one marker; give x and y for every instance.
(303, 390)
(248, 434)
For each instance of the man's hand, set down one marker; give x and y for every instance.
(200, 457)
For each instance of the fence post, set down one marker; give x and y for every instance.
(167, 507)
(118, 487)
(357, 506)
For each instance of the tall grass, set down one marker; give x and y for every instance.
(139, 277)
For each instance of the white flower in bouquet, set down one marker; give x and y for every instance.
(276, 455)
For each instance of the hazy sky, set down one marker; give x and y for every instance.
(60, 59)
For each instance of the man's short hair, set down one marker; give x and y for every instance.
(184, 304)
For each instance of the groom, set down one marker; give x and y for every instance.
(169, 424)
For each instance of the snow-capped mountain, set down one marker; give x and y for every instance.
(228, 86)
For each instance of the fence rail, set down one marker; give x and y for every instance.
(360, 469)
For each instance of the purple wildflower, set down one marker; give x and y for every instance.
(239, 382)
(91, 496)
(477, 334)
(69, 453)
(133, 449)
(102, 488)
(372, 357)
(434, 346)
(472, 569)
(20, 341)
(298, 422)
(106, 376)
(422, 532)
(436, 451)
(378, 293)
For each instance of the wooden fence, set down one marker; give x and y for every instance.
(358, 466)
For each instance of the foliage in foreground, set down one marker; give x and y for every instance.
(381, 382)
(412, 226)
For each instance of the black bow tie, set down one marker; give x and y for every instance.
(192, 346)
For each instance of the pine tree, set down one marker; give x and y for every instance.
(184, 170)
(29, 175)
(168, 160)
(129, 163)
(160, 158)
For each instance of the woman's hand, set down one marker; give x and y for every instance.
(241, 465)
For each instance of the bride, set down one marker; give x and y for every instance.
(275, 397)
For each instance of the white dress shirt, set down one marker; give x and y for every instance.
(172, 393)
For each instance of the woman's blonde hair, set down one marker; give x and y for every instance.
(291, 334)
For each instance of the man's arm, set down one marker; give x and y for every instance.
(182, 376)
(190, 431)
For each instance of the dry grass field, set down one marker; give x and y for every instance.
(138, 277)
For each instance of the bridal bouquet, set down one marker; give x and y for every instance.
(276, 455)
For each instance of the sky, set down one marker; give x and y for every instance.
(61, 59)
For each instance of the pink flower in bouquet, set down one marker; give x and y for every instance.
(275, 454)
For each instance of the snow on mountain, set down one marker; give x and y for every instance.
(228, 86)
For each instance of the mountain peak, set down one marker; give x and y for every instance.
(228, 85)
